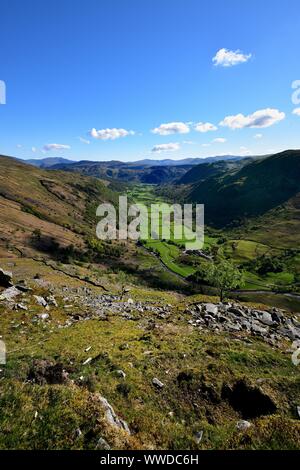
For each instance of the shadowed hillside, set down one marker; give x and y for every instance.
(207, 170)
(256, 189)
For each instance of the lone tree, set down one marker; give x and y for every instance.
(225, 276)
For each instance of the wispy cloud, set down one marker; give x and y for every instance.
(171, 147)
(110, 134)
(205, 127)
(262, 118)
(49, 147)
(296, 111)
(84, 141)
(258, 136)
(226, 58)
(220, 140)
(33, 149)
(171, 128)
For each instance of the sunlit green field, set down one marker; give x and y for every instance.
(239, 251)
(166, 251)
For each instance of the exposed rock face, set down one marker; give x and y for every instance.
(111, 416)
(5, 278)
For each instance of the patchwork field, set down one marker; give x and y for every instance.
(238, 250)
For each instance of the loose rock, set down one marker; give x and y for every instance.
(10, 293)
(242, 425)
(102, 444)
(40, 300)
(157, 383)
(198, 436)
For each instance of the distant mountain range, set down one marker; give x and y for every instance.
(48, 162)
(186, 161)
(144, 171)
(55, 161)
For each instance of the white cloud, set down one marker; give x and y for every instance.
(227, 58)
(205, 127)
(171, 128)
(84, 141)
(165, 147)
(49, 147)
(205, 145)
(109, 134)
(296, 111)
(188, 142)
(220, 140)
(262, 118)
(19, 146)
(258, 136)
(33, 149)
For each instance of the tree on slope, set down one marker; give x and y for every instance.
(224, 276)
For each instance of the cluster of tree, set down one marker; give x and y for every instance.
(267, 264)
(98, 249)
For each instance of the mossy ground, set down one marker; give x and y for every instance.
(193, 365)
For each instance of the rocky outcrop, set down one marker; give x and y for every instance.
(272, 325)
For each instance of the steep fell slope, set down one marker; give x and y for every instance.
(61, 205)
(256, 189)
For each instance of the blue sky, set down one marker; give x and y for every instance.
(121, 69)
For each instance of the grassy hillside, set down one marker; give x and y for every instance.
(58, 204)
(256, 189)
(51, 215)
(127, 330)
(49, 395)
